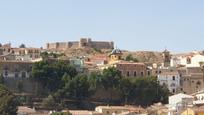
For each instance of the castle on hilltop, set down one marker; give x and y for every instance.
(83, 43)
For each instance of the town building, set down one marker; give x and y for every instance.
(83, 43)
(120, 110)
(192, 79)
(179, 102)
(26, 54)
(131, 69)
(198, 110)
(193, 59)
(171, 78)
(98, 60)
(157, 109)
(16, 69)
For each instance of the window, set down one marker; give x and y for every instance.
(16, 75)
(128, 73)
(173, 78)
(173, 90)
(135, 73)
(142, 73)
(6, 73)
(148, 72)
(188, 60)
(23, 75)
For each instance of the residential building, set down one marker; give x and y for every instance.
(171, 78)
(157, 109)
(192, 79)
(26, 54)
(131, 69)
(199, 97)
(78, 64)
(199, 110)
(120, 110)
(179, 102)
(16, 69)
(98, 59)
(188, 60)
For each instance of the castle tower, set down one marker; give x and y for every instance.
(83, 43)
(166, 58)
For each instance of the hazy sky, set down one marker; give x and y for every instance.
(131, 24)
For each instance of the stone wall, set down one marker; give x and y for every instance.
(27, 85)
(102, 45)
(82, 43)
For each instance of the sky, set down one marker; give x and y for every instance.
(134, 25)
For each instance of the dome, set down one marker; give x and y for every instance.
(116, 51)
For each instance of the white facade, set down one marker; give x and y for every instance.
(178, 102)
(199, 98)
(187, 61)
(170, 79)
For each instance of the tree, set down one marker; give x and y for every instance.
(50, 74)
(1, 79)
(131, 58)
(8, 102)
(110, 79)
(143, 91)
(20, 86)
(77, 88)
(50, 103)
(22, 46)
(126, 88)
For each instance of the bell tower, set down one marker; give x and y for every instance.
(166, 58)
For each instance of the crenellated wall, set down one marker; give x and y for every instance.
(82, 43)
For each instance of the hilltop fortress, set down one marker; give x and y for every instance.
(83, 43)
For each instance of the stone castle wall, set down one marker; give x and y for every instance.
(84, 42)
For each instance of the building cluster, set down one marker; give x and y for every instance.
(182, 74)
(99, 110)
(183, 104)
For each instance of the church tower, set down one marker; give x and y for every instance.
(166, 58)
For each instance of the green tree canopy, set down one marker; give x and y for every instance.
(50, 74)
(131, 58)
(8, 102)
(143, 91)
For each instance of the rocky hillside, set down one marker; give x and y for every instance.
(141, 56)
(145, 56)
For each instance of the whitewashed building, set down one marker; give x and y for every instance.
(170, 78)
(179, 102)
(190, 60)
